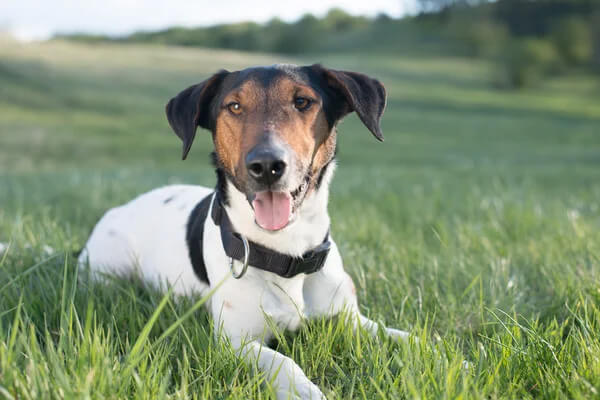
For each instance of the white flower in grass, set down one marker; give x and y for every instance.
(573, 215)
(510, 284)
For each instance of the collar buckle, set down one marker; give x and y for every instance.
(237, 275)
(310, 262)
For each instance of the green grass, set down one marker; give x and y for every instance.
(476, 226)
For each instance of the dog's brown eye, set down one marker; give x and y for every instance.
(302, 103)
(234, 108)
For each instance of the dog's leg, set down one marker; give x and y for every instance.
(373, 327)
(242, 319)
(331, 290)
(288, 379)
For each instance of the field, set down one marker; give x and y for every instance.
(476, 226)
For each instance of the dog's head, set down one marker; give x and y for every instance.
(274, 128)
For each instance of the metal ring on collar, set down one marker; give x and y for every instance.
(246, 256)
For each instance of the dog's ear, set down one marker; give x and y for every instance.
(355, 92)
(191, 108)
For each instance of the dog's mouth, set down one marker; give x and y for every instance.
(274, 210)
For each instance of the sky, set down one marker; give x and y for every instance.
(40, 19)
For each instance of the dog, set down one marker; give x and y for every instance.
(263, 233)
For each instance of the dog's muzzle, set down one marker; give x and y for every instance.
(267, 164)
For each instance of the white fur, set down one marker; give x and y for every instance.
(147, 236)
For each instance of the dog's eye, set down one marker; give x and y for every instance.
(234, 108)
(302, 103)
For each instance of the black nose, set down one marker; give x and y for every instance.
(266, 163)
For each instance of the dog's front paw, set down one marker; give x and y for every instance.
(310, 391)
(301, 391)
(397, 334)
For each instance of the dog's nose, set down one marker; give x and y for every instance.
(266, 164)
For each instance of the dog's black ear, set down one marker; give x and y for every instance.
(356, 92)
(191, 108)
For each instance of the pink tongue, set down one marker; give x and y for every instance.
(272, 209)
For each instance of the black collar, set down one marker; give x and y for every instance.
(263, 258)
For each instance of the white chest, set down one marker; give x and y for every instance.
(282, 301)
(257, 302)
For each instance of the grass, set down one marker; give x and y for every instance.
(475, 226)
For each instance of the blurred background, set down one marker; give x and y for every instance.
(528, 40)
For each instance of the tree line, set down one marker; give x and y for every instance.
(526, 39)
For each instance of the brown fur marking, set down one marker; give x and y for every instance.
(271, 111)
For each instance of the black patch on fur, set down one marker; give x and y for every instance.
(195, 236)
(344, 92)
(264, 76)
(168, 200)
(222, 176)
(192, 108)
